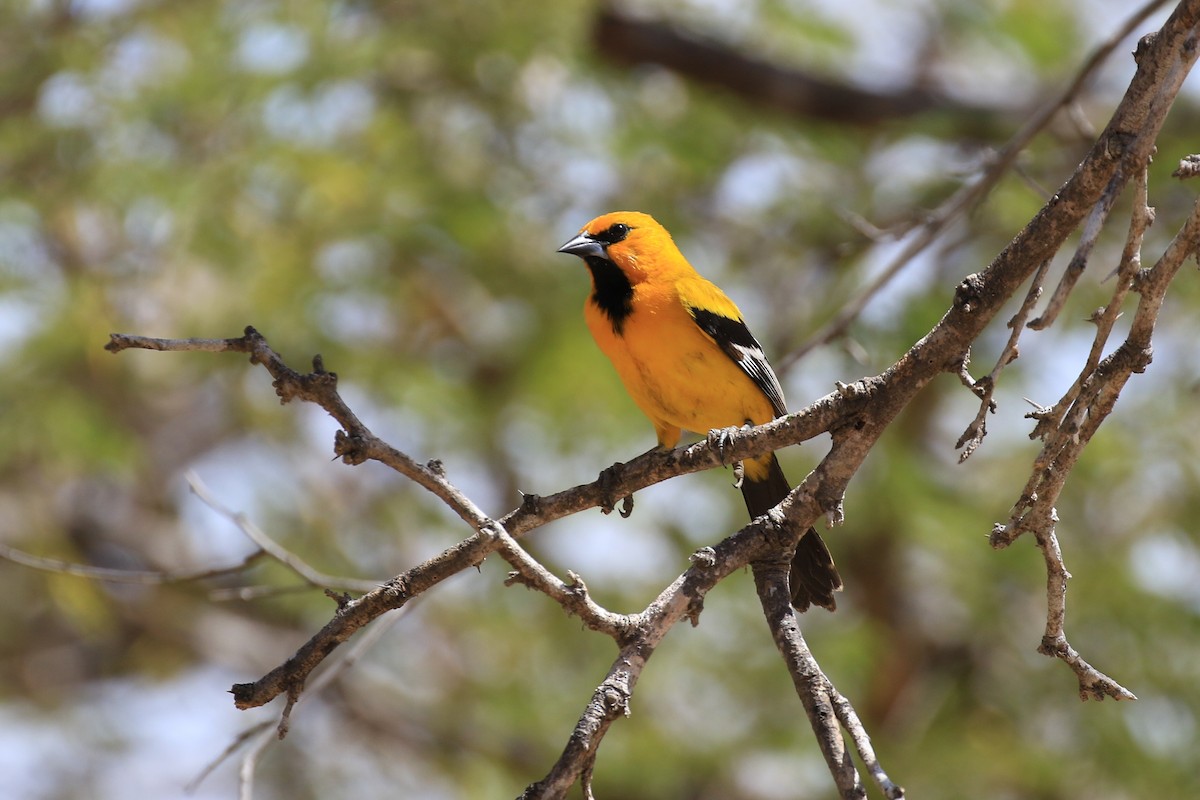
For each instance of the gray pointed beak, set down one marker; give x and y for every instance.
(584, 246)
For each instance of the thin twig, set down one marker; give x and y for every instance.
(131, 576)
(985, 387)
(306, 573)
(849, 720)
(1079, 261)
(1097, 388)
(1093, 684)
(573, 597)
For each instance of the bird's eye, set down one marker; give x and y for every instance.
(613, 233)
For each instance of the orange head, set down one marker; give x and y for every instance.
(631, 240)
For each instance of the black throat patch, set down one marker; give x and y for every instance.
(613, 292)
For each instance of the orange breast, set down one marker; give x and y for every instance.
(676, 374)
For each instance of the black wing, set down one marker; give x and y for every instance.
(740, 345)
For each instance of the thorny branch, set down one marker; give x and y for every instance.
(856, 416)
(1068, 426)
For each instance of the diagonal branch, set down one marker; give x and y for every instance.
(266, 544)
(771, 583)
(970, 195)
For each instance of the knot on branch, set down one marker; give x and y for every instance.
(851, 390)
(1143, 46)
(342, 599)
(314, 385)
(1002, 536)
(396, 589)
(969, 293)
(531, 503)
(1189, 167)
(614, 696)
(1129, 356)
(253, 341)
(704, 558)
(1054, 646)
(1118, 143)
(351, 448)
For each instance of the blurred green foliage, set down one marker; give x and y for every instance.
(385, 184)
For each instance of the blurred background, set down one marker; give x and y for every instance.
(385, 183)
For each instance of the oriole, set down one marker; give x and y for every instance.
(689, 362)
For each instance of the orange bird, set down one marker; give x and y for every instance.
(688, 360)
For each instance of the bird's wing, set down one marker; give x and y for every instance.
(734, 338)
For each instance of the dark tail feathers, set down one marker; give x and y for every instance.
(813, 578)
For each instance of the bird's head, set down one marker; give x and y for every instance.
(633, 241)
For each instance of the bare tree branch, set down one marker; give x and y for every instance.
(771, 583)
(971, 194)
(1092, 683)
(1079, 261)
(985, 387)
(1074, 421)
(848, 717)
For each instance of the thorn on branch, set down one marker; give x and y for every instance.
(397, 587)
(576, 585)
(531, 503)
(342, 599)
(350, 448)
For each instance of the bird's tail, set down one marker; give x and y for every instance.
(813, 578)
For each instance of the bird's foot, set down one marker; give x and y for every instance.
(608, 480)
